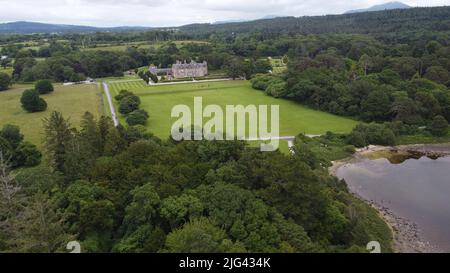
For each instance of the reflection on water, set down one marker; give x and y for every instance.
(414, 188)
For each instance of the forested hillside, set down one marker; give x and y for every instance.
(435, 19)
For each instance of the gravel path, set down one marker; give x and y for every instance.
(111, 105)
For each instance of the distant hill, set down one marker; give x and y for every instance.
(243, 20)
(387, 6)
(230, 21)
(23, 27)
(397, 20)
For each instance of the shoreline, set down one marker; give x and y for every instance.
(406, 234)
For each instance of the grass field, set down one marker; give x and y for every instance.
(145, 45)
(294, 118)
(72, 101)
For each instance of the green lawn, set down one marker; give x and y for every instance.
(294, 118)
(72, 101)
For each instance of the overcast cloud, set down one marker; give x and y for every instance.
(174, 12)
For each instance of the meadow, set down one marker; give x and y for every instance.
(294, 118)
(72, 101)
(143, 45)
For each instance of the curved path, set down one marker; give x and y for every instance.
(111, 105)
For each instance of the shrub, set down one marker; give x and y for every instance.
(44, 87)
(276, 89)
(32, 102)
(350, 149)
(261, 82)
(137, 117)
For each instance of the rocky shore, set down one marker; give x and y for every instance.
(407, 238)
(407, 235)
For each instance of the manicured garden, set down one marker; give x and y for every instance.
(158, 101)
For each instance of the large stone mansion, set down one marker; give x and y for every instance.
(182, 70)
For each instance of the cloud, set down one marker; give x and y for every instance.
(175, 12)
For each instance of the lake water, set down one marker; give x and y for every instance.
(416, 189)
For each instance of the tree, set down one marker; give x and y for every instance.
(140, 222)
(39, 227)
(143, 209)
(114, 143)
(44, 86)
(199, 236)
(178, 210)
(376, 106)
(406, 110)
(438, 74)
(256, 232)
(5, 62)
(27, 155)
(91, 134)
(153, 77)
(261, 66)
(137, 117)
(12, 134)
(129, 104)
(365, 62)
(9, 190)
(235, 68)
(6, 149)
(123, 94)
(32, 102)
(58, 134)
(439, 126)
(5, 81)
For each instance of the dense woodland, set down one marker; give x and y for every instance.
(400, 20)
(124, 190)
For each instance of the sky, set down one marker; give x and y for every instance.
(164, 13)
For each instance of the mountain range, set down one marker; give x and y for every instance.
(387, 6)
(23, 27)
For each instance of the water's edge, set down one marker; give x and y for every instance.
(407, 237)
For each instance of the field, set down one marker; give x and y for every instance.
(72, 101)
(145, 45)
(294, 118)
